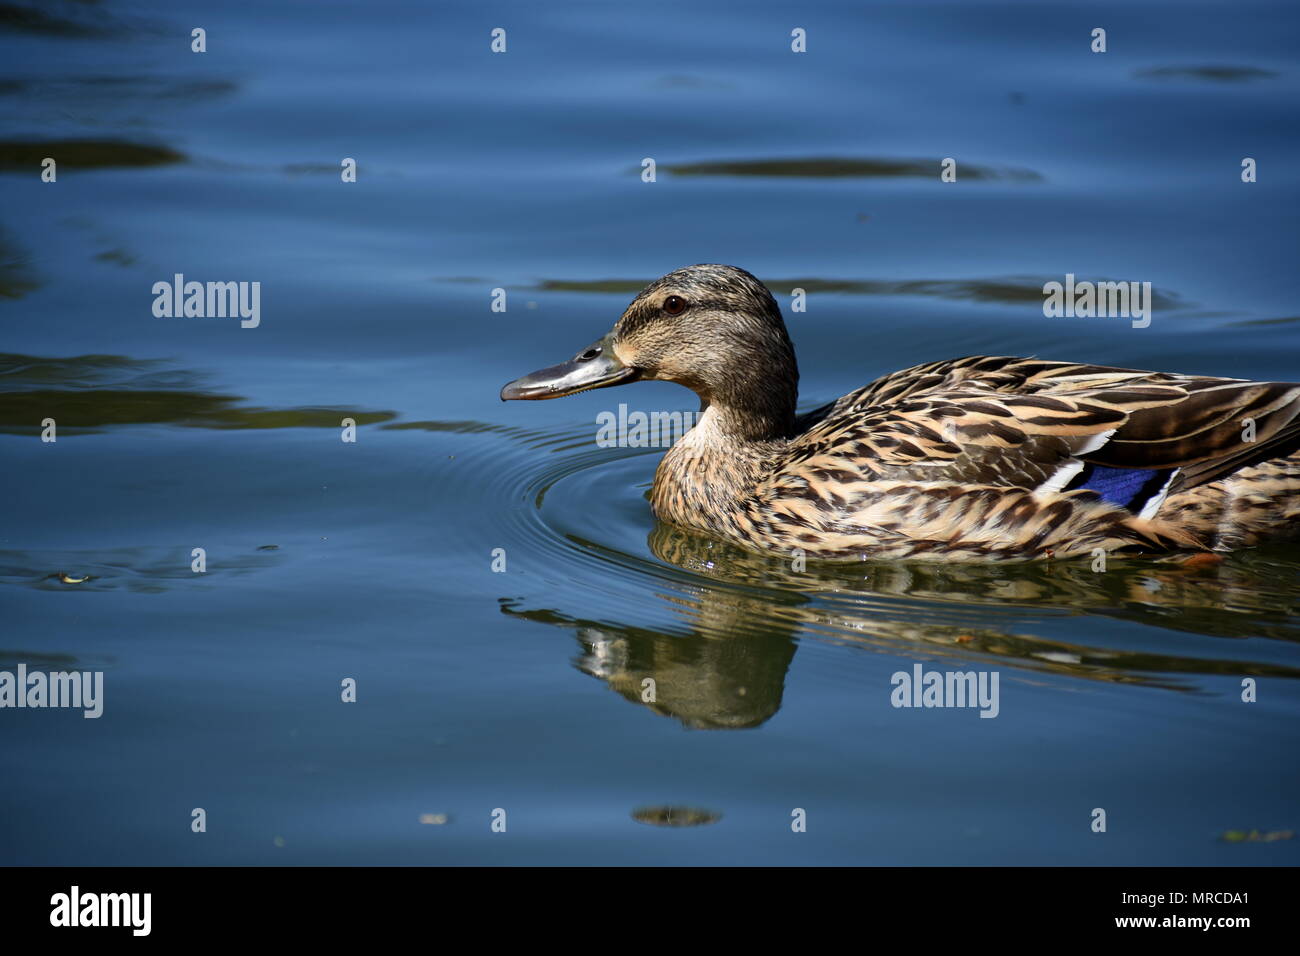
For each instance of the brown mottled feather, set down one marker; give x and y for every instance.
(942, 461)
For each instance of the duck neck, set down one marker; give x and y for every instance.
(747, 424)
(747, 420)
(716, 465)
(754, 398)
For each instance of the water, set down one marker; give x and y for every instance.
(373, 560)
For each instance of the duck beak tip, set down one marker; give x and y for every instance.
(597, 367)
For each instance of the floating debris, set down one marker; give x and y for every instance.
(269, 547)
(71, 579)
(1255, 836)
(675, 816)
(434, 819)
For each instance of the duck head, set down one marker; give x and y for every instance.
(713, 328)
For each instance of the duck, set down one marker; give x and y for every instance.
(980, 458)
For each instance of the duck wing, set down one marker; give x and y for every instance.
(1132, 436)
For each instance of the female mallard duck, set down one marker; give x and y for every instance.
(973, 458)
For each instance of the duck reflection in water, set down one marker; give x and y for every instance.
(744, 615)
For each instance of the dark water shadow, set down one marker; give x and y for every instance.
(846, 167)
(1286, 320)
(17, 277)
(114, 89)
(56, 18)
(11, 657)
(74, 154)
(1007, 290)
(88, 393)
(1206, 74)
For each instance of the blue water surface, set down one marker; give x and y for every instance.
(490, 576)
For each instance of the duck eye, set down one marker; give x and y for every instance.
(674, 305)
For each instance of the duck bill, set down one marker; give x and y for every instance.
(594, 367)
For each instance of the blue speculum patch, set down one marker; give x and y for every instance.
(1127, 487)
